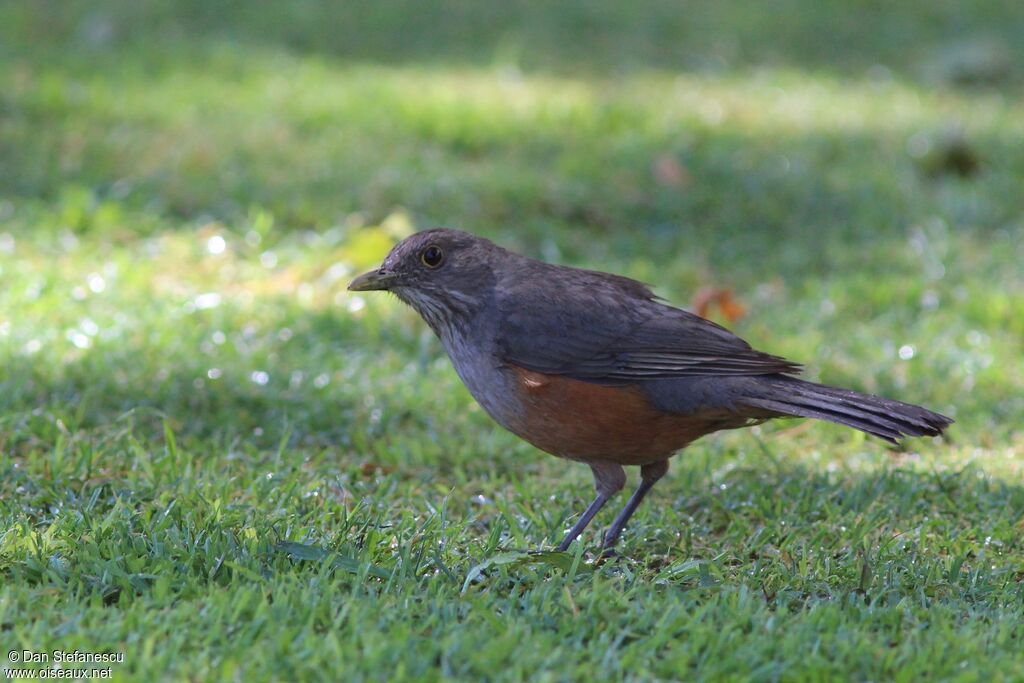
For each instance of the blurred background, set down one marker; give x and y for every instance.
(186, 187)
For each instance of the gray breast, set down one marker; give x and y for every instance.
(493, 387)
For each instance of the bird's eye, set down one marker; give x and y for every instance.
(432, 256)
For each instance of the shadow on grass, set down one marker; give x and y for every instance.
(603, 36)
(886, 535)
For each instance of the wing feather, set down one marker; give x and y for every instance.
(612, 330)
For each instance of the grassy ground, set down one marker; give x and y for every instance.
(216, 461)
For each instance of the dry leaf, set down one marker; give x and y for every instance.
(369, 469)
(721, 297)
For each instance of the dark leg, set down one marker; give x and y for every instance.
(609, 479)
(649, 475)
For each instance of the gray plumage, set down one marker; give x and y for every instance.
(611, 330)
(594, 367)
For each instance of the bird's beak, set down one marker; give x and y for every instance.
(374, 280)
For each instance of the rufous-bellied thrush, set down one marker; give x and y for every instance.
(595, 368)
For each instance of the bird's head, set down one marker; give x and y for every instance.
(445, 275)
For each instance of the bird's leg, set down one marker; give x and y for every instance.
(649, 475)
(609, 479)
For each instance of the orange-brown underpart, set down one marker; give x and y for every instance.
(586, 422)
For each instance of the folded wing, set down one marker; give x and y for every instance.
(612, 330)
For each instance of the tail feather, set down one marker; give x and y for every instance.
(881, 417)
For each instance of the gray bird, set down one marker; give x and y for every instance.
(593, 367)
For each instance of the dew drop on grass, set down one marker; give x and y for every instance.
(78, 339)
(214, 373)
(67, 240)
(216, 245)
(356, 304)
(336, 272)
(906, 352)
(207, 300)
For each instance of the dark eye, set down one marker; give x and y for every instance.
(432, 256)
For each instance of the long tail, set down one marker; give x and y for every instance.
(881, 417)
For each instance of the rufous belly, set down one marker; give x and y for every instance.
(583, 421)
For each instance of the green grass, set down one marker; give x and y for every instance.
(223, 465)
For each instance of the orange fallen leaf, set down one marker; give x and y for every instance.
(368, 469)
(721, 297)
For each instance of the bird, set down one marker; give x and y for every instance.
(595, 368)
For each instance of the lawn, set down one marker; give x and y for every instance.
(219, 463)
